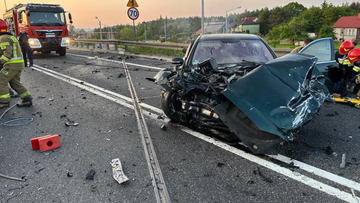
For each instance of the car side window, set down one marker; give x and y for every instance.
(321, 49)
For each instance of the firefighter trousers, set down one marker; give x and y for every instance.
(12, 77)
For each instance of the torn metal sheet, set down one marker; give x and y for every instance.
(118, 172)
(280, 96)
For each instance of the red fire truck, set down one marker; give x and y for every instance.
(45, 23)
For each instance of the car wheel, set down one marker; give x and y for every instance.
(171, 105)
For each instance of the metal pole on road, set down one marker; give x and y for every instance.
(134, 30)
(145, 30)
(202, 17)
(165, 28)
(99, 26)
(226, 20)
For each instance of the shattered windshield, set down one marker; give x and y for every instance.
(232, 52)
(46, 19)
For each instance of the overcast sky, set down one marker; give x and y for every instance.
(113, 12)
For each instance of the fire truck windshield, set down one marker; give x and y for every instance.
(46, 19)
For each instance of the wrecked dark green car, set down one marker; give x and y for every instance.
(234, 84)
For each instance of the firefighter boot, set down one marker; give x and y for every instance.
(25, 102)
(4, 105)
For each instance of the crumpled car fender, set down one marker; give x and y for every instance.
(276, 96)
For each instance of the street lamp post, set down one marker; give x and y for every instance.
(99, 26)
(5, 5)
(165, 28)
(226, 21)
(145, 30)
(202, 17)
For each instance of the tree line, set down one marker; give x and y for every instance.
(292, 21)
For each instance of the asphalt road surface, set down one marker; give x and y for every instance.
(196, 168)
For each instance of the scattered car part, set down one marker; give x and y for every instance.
(118, 172)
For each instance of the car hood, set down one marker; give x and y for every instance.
(281, 95)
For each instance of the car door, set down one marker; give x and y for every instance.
(323, 49)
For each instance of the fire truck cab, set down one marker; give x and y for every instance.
(45, 23)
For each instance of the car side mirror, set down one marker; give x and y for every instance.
(70, 18)
(177, 61)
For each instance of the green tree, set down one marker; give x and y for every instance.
(327, 31)
(276, 17)
(311, 19)
(264, 21)
(292, 9)
(127, 34)
(71, 29)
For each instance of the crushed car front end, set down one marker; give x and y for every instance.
(258, 98)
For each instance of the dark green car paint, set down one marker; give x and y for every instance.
(275, 97)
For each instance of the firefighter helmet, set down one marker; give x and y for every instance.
(345, 47)
(354, 55)
(3, 26)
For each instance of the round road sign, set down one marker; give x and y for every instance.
(133, 13)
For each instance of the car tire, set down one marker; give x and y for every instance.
(171, 105)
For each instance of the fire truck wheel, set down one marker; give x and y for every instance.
(62, 51)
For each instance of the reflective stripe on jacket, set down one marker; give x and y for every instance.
(10, 50)
(345, 62)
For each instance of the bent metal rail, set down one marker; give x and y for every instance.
(87, 42)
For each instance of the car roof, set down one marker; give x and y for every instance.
(228, 36)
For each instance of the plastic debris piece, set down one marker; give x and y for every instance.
(23, 179)
(343, 161)
(71, 123)
(118, 173)
(163, 127)
(90, 175)
(69, 174)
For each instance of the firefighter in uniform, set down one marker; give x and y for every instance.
(11, 66)
(340, 89)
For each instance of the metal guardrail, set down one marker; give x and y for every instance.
(87, 42)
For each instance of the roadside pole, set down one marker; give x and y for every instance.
(133, 13)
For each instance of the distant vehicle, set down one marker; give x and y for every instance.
(45, 23)
(234, 84)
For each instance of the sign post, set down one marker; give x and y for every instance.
(133, 13)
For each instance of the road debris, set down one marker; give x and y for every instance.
(51, 99)
(95, 71)
(353, 194)
(163, 127)
(69, 174)
(328, 150)
(220, 164)
(38, 171)
(23, 179)
(90, 175)
(332, 114)
(120, 75)
(266, 179)
(343, 161)
(71, 123)
(117, 170)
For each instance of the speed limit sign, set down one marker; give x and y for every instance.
(133, 13)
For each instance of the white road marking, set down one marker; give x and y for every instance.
(119, 62)
(127, 102)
